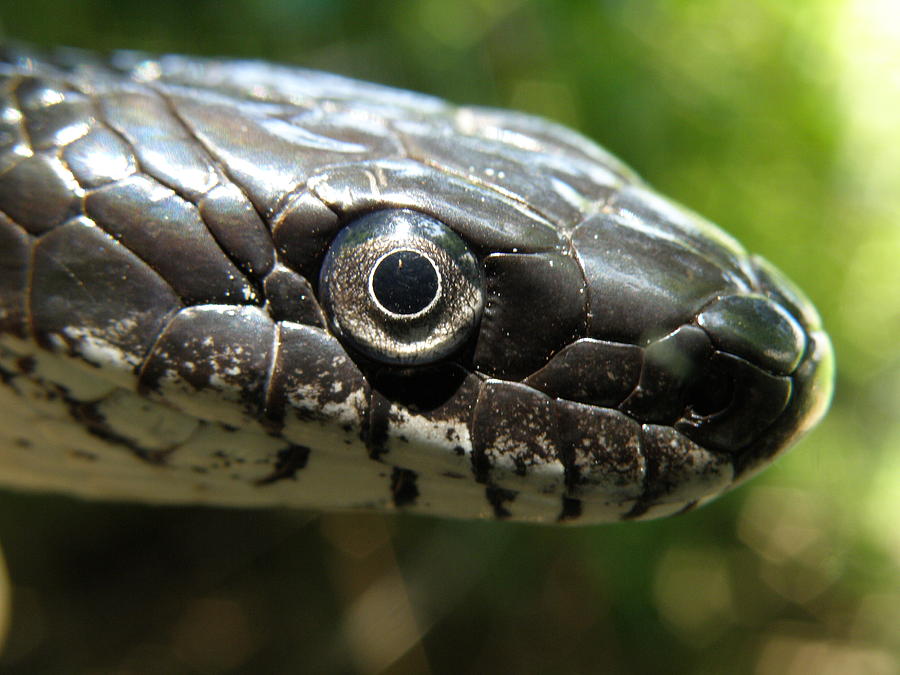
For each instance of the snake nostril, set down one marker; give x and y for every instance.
(671, 365)
(732, 403)
(711, 395)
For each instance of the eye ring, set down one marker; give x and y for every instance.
(401, 287)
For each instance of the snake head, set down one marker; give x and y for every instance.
(287, 287)
(635, 361)
(717, 357)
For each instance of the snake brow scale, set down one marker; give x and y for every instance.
(238, 283)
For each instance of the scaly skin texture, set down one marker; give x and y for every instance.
(163, 224)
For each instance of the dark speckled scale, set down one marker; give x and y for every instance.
(670, 366)
(213, 348)
(488, 220)
(303, 230)
(632, 298)
(591, 371)
(75, 301)
(514, 437)
(308, 361)
(152, 221)
(601, 448)
(519, 288)
(39, 193)
(290, 297)
(54, 116)
(99, 157)
(15, 252)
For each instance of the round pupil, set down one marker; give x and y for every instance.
(405, 282)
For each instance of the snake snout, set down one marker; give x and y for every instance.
(757, 329)
(724, 379)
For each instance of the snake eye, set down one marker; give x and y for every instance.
(401, 287)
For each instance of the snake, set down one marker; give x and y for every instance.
(236, 283)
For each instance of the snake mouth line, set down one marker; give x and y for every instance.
(584, 453)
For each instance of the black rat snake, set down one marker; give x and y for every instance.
(232, 282)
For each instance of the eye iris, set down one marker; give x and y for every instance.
(401, 287)
(405, 282)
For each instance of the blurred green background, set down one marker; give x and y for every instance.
(778, 120)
